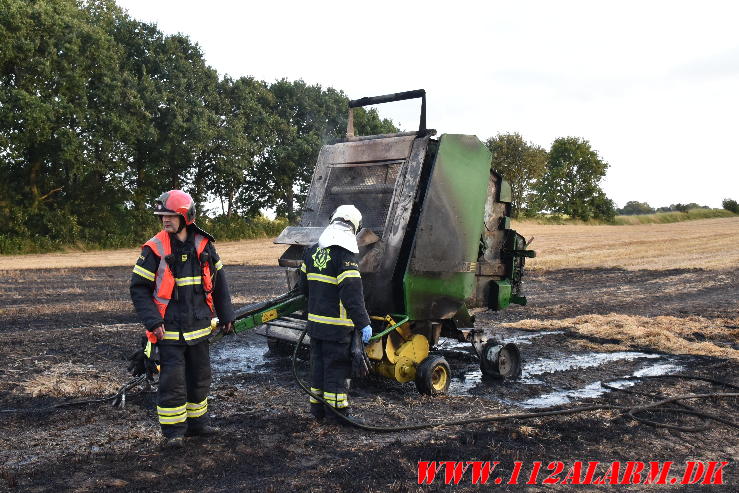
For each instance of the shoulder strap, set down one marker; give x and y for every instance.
(160, 244)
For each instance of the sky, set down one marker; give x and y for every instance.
(652, 85)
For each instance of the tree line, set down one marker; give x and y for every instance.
(565, 180)
(100, 113)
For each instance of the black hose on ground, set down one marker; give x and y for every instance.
(630, 410)
(118, 398)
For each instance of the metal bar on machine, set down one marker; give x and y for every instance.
(269, 313)
(398, 96)
(391, 328)
(280, 323)
(374, 188)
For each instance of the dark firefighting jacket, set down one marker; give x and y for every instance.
(188, 313)
(330, 279)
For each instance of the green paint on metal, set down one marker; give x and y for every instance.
(506, 222)
(454, 204)
(506, 193)
(453, 289)
(273, 312)
(392, 327)
(501, 293)
(519, 300)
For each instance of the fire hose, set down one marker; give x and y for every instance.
(631, 411)
(119, 400)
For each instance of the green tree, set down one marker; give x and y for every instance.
(369, 122)
(571, 183)
(730, 205)
(306, 117)
(175, 103)
(60, 87)
(245, 133)
(519, 162)
(635, 207)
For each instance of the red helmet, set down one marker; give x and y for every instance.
(176, 202)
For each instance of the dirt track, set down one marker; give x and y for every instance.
(64, 333)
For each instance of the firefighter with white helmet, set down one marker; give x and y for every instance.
(331, 281)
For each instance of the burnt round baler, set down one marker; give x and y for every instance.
(436, 247)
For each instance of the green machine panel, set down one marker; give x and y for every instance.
(441, 270)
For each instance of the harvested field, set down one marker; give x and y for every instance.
(703, 244)
(602, 306)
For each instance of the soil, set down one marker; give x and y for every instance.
(65, 333)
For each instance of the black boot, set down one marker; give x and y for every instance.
(317, 411)
(334, 419)
(202, 431)
(170, 443)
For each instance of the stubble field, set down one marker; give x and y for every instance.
(604, 302)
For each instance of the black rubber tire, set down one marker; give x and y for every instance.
(433, 376)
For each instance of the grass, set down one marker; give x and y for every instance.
(656, 218)
(705, 243)
(67, 379)
(691, 335)
(244, 252)
(673, 217)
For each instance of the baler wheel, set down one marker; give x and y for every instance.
(500, 361)
(433, 376)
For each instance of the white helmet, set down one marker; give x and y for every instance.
(350, 214)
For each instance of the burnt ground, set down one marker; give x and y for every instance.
(64, 332)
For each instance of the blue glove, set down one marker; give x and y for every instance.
(366, 334)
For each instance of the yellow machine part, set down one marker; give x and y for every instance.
(374, 350)
(402, 371)
(400, 363)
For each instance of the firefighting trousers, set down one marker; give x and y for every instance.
(184, 382)
(331, 366)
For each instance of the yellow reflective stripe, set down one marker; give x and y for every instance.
(146, 274)
(170, 411)
(342, 311)
(335, 400)
(170, 335)
(197, 405)
(173, 420)
(302, 266)
(322, 278)
(342, 401)
(195, 410)
(188, 281)
(189, 336)
(330, 320)
(313, 400)
(197, 414)
(348, 273)
(219, 265)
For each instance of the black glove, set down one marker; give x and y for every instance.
(136, 363)
(144, 360)
(360, 360)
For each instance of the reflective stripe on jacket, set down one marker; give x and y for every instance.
(181, 284)
(165, 280)
(331, 280)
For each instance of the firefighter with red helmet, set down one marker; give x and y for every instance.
(178, 286)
